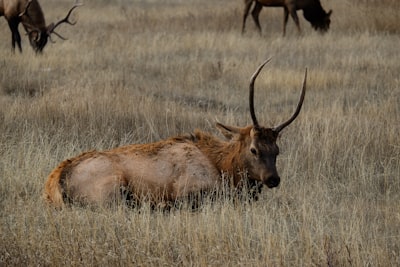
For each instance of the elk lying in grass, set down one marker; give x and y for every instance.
(175, 168)
(30, 14)
(312, 11)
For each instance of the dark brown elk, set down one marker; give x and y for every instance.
(175, 168)
(30, 14)
(312, 12)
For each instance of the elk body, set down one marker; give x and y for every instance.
(174, 168)
(30, 14)
(312, 11)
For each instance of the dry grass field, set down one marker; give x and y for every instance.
(139, 71)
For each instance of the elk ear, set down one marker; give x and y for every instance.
(228, 131)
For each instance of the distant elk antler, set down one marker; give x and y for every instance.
(30, 14)
(52, 27)
(26, 8)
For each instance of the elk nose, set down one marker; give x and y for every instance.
(273, 181)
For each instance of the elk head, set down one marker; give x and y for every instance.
(258, 144)
(320, 21)
(38, 36)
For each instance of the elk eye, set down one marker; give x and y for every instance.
(253, 151)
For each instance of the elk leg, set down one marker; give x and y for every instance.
(295, 18)
(285, 19)
(256, 13)
(247, 7)
(15, 36)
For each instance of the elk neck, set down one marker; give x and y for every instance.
(34, 19)
(227, 156)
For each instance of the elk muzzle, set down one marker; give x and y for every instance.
(272, 180)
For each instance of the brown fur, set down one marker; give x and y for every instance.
(171, 169)
(312, 11)
(53, 191)
(30, 14)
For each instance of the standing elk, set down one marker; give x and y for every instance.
(312, 11)
(30, 14)
(175, 168)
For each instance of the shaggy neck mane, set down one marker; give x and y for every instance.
(225, 155)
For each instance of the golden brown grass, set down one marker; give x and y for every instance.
(138, 71)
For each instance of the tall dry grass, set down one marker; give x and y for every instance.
(139, 71)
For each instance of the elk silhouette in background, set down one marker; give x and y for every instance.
(312, 12)
(30, 14)
(175, 168)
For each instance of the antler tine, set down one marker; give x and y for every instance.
(251, 94)
(65, 20)
(26, 8)
(59, 36)
(51, 40)
(299, 105)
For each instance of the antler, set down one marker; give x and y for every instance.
(64, 20)
(296, 113)
(26, 8)
(251, 95)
